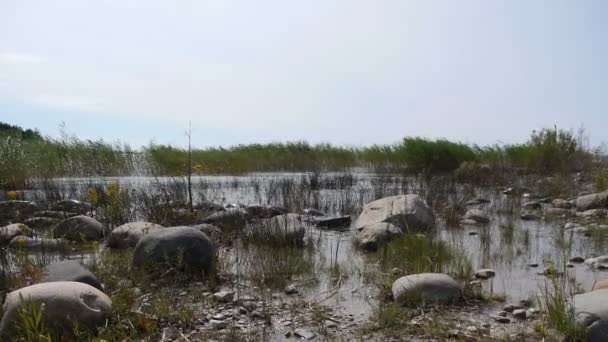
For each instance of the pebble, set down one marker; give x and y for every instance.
(501, 319)
(218, 325)
(305, 334)
(291, 289)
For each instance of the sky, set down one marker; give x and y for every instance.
(347, 72)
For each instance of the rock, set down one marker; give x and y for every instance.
(468, 222)
(218, 325)
(591, 312)
(600, 284)
(592, 201)
(511, 307)
(262, 212)
(16, 209)
(79, 228)
(534, 205)
(7, 233)
(70, 270)
(372, 236)
(533, 264)
(598, 262)
(313, 212)
(224, 296)
(477, 215)
(530, 217)
(38, 244)
(561, 204)
(65, 303)
(501, 319)
(234, 218)
(571, 225)
(73, 206)
(577, 259)
(61, 215)
(594, 213)
(472, 233)
(426, 287)
(288, 229)
(304, 334)
(485, 273)
(129, 234)
(185, 248)
(558, 212)
(41, 222)
(520, 314)
(333, 222)
(408, 212)
(503, 314)
(291, 289)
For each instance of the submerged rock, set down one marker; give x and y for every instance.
(185, 248)
(598, 262)
(426, 287)
(79, 228)
(287, 229)
(313, 212)
(73, 206)
(408, 212)
(262, 212)
(41, 222)
(477, 215)
(28, 243)
(235, 218)
(65, 303)
(129, 234)
(486, 273)
(534, 205)
(562, 204)
(333, 222)
(70, 270)
(530, 217)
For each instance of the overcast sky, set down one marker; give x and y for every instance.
(346, 72)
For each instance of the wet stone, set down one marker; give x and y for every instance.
(291, 289)
(485, 273)
(501, 319)
(577, 259)
(520, 314)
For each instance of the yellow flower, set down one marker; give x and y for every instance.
(12, 195)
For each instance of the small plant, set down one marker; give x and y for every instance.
(31, 325)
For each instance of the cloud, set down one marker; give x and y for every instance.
(20, 58)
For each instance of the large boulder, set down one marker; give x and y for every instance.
(7, 233)
(62, 305)
(185, 248)
(70, 270)
(37, 244)
(79, 228)
(591, 311)
(129, 234)
(72, 205)
(234, 218)
(287, 229)
(426, 288)
(408, 212)
(372, 236)
(592, 201)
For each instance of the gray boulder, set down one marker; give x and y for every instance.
(591, 311)
(7, 233)
(593, 213)
(426, 288)
(129, 234)
(79, 228)
(214, 233)
(185, 248)
(408, 212)
(37, 244)
(476, 215)
(592, 201)
(64, 304)
(70, 270)
(374, 235)
(287, 229)
(73, 206)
